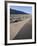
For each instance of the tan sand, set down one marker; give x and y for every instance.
(15, 27)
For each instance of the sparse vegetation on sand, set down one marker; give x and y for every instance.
(18, 17)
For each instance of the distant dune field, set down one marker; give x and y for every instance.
(19, 17)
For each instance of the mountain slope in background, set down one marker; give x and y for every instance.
(12, 11)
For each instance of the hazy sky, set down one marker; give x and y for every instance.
(27, 9)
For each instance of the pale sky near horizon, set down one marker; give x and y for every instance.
(27, 9)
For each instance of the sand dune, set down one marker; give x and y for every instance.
(25, 32)
(15, 27)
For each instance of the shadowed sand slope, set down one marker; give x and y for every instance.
(25, 32)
